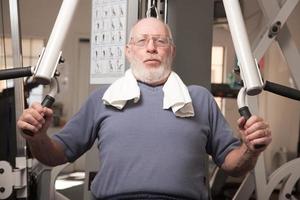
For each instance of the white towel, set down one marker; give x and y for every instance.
(176, 95)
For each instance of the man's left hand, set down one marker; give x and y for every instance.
(255, 133)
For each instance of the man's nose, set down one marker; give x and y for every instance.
(151, 48)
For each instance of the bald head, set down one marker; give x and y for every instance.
(152, 26)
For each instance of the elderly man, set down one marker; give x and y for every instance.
(153, 132)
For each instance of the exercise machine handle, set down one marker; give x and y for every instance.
(15, 73)
(282, 90)
(245, 112)
(48, 100)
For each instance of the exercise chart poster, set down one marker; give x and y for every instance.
(108, 40)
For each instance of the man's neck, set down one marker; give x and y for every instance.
(154, 83)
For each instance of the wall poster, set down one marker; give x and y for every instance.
(108, 40)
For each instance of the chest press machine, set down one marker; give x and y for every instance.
(16, 178)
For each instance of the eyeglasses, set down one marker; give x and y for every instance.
(158, 40)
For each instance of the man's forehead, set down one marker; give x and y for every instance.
(150, 26)
(151, 20)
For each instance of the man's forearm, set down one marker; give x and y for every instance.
(47, 151)
(239, 161)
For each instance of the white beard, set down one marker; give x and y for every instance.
(151, 76)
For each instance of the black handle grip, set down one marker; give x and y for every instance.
(245, 112)
(47, 102)
(15, 73)
(282, 90)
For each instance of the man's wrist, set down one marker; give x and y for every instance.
(249, 152)
(36, 138)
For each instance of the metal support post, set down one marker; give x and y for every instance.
(18, 88)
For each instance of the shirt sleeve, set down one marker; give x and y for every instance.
(221, 139)
(79, 134)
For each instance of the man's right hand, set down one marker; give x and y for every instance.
(36, 119)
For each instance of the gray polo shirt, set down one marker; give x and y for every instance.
(146, 148)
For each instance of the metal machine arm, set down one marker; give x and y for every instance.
(250, 74)
(43, 73)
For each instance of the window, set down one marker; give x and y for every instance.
(31, 48)
(217, 66)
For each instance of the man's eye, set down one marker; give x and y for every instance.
(140, 41)
(162, 41)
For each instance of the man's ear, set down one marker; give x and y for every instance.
(173, 51)
(128, 52)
